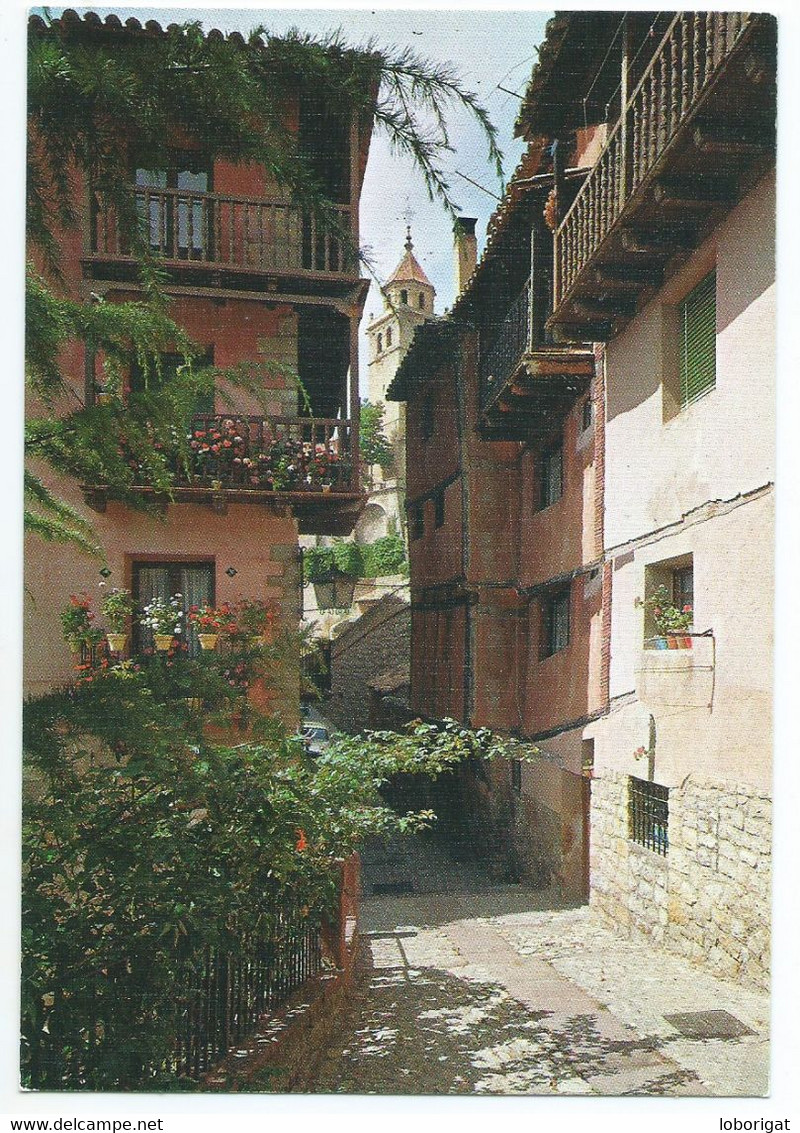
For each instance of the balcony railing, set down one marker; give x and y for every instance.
(276, 454)
(237, 233)
(683, 68)
(512, 341)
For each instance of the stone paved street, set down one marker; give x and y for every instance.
(473, 987)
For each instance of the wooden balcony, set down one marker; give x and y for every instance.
(527, 385)
(694, 135)
(299, 462)
(215, 240)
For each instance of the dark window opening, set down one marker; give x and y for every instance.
(516, 776)
(428, 418)
(683, 587)
(555, 623)
(388, 336)
(587, 419)
(417, 521)
(404, 296)
(551, 483)
(140, 380)
(380, 343)
(192, 580)
(177, 215)
(648, 814)
(421, 301)
(438, 506)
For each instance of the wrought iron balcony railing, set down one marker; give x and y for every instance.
(513, 339)
(276, 454)
(683, 69)
(227, 232)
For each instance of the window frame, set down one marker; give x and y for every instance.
(555, 638)
(648, 815)
(173, 568)
(547, 496)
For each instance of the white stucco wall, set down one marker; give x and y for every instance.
(696, 483)
(661, 464)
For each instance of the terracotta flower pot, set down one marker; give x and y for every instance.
(208, 640)
(162, 641)
(116, 641)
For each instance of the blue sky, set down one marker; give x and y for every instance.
(489, 48)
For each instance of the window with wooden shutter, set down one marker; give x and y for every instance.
(698, 341)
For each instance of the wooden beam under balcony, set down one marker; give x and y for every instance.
(538, 394)
(693, 192)
(732, 139)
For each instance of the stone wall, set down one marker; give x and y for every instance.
(708, 899)
(379, 641)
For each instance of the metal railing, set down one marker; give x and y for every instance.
(512, 340)
(291, 454)
(648, 814)
(225, 994)
(241, 233)
(690, 55)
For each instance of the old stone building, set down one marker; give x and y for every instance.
(590, 453)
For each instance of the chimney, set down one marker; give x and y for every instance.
(466, 250)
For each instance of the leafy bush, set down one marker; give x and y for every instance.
(142, 850)
(386, 555)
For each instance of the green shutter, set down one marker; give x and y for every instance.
(699, 340)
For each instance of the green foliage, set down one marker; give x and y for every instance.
(667, 618)
(116, 606)
(145, 845)
(373, 442)
(386, 555)
(321, 563)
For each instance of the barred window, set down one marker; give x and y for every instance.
(648, 814)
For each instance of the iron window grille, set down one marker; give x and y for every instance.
(648, 814)
(698, 346)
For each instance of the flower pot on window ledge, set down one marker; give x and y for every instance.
(162, 641)
(116, 641)
(208, 640)
(679, 640)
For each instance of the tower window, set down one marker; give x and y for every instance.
(388, 337)
(380, 343)
(404, 296)
(421, 301)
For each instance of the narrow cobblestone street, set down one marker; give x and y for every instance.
(468, 986)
